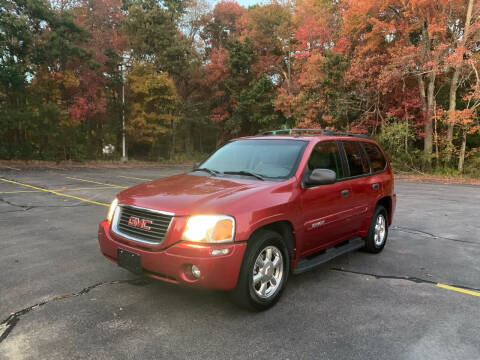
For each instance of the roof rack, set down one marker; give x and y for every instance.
(298, 132)
(363, 136)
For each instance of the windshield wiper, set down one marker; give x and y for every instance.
(247, 173)
(207, 170)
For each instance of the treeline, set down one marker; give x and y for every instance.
(186, 77)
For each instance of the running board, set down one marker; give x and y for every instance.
(313, 261)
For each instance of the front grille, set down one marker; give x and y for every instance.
(158, 226)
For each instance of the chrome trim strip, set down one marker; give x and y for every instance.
(150, 210)
(116, 219)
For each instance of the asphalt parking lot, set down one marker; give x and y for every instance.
(60, 299)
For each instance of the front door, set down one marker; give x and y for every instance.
(326, 209)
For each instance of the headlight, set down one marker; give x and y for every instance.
(111, 210)
(210, 229)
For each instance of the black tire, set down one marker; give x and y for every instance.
(371, 245)
(245, 293)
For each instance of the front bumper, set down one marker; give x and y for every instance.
(172, 263)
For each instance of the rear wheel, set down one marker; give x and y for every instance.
(378, 232)
(264, 272)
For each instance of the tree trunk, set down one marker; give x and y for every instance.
(423, 96)
(289, 70)
(406, 118)
(427, 99)
(406, 136)
(451, 110)
(437, 156)
(454, 84)
(200, 140)
(461, 158)
(188, 135)
(172, 142)
(428, 145)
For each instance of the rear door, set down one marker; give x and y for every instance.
(326, 209)
(378, 177)
(359, 181)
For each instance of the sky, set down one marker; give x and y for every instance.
(245, 3)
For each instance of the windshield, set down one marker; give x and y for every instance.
(269, 158)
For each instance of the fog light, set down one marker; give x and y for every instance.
(196, 272)
(216, 252)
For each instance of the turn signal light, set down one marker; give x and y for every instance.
(222, 230)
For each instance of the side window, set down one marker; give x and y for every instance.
(357, 163)
(325, 155)
(377, 160)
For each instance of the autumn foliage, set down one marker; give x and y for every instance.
(187, 76)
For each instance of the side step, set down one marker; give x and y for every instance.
(312, 261)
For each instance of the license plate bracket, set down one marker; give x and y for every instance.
(130, 261)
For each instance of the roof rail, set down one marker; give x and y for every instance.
(298, 132)
(363, 136)
(293, 131)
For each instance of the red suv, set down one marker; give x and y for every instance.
(257, 209)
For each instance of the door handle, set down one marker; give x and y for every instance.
(345, 192)
(375, 186)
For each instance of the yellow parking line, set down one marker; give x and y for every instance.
(86, 188)
(55, 192)
(135, 178)
(454, 288)
(9, 167)
(66, 189)
(97, 182)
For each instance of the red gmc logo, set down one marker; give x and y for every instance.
(140, 223)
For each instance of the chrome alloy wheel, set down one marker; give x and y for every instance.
(268, 272)
(380, 230)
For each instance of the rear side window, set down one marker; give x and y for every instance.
(377, 160)
(325, 155)
(357, 163)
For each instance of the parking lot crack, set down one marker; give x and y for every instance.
(421, 232)
(396, 277)
(7, 325)
(29, 207)
(23, 207)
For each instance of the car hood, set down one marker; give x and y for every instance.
(188, 194)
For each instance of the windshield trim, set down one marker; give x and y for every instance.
(267, 178)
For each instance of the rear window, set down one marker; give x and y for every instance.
(377, 160)
(357, 162)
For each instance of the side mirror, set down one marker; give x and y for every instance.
(321, 177)
(196, 165)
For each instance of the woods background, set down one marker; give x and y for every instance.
(187, 76)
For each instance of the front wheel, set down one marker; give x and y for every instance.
(264, 272)
(378, 232)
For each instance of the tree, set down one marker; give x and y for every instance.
(315, 96)
(191, 86)
(402, 40)
(40, 50)
(254, 110)
(154, 37)
(462, 48)
(96, 99)
(271, 29)
(225, 22)
(467, 119)
(153, 102)
(372, 66)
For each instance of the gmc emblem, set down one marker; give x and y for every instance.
(140, 223)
